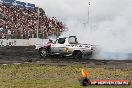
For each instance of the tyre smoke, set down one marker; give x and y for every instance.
(112, 38)
(109, 27)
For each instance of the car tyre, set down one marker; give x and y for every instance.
(77, 54)
(43, 53)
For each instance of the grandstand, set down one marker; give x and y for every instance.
(20, 20)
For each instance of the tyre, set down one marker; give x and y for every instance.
(42, 52)
(77, 54)
(85, 82)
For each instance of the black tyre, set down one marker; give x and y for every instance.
(85, 82)
(43, 52)
(77, 54)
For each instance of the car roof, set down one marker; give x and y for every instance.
(65, 36)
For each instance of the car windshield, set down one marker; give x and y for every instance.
(61, 40)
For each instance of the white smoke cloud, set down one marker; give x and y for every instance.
(110, 25)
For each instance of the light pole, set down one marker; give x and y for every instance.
(38, 23)
(86, 23)
(88, 12)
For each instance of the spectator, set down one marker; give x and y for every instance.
(23, 23)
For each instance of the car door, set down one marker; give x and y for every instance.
(58, 46)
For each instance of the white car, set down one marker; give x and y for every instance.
(65, 46)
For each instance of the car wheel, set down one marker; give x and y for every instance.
(77, 54)
(42, 52)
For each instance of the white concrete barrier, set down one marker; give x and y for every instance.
(22, 42)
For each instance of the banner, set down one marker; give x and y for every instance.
(18, 4)
(8, 2)
(30, 6)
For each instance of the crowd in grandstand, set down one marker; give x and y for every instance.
(23, 23)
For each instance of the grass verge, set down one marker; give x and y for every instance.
(49, 76)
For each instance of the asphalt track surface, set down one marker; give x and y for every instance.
(20, 55)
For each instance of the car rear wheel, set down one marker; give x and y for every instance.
(77, 54)
(42, 52)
